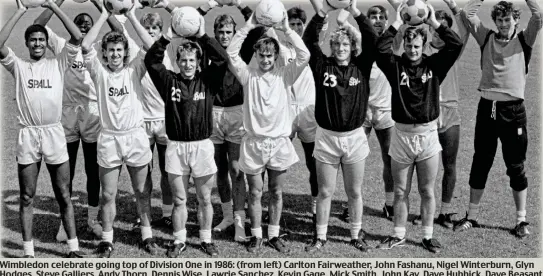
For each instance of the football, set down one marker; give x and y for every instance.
(339, 4)
(185, 21)
(269, 12)
(32, 3)
(80, 1)
(118, 6)
(414, 12)
(148, 3)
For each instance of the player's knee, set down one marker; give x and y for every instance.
(517, 177)
(204, 200)
(26, 199)
(108, 196)
(276, 194)
(325, 193)
(426, 193)
(255, 193)
(179, 200)
(400, 194)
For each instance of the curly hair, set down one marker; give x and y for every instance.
(152, 19)
(342, 33)
(115, 37)
(36, 28)
(504, 8)
(413, 32)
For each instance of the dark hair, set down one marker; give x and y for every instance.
(377, 9)
(223, 20)
(80, 16)
(36, 29)
(413, 32)
(116, 37)
(504, 8)
(267, 43)
(151, 19)
(189, 46)
(296, 13)
(443, 15)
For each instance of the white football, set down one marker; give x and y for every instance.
(269, 12)
(148, 3)
(339, 4)
(80, 1)
(32, 3)
(118, 6)
(414, 12)
(185, 21)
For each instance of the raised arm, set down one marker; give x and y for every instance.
(236, 64)
(312, 31)
(463, 32)
(140, 30)
(294, 69)
(89, 39)
(112, 21)
(385, 57)
(443, 60)
(75, 34)
(535, 23)
(8, 28)
(474, 24)
(395, 4)
(155, 67)
(369, 38)
(46, 15)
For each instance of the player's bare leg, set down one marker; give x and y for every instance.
(383, 136)
(73, 148)
(239, 191)
(223, 186)
(179, 187)
(28, 179)
(256, 184)
(109, 178)
(353, 175)
(204, 185)
(426, 175)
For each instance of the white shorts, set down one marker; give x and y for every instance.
(448, 117)
(378, 118)
(37, 142)
(129, 147)
(332, 147)
(196, 158)
(414, 143)
(304, 123)
(227, 124)
(81, 122)
(156, 132)
(257, 154)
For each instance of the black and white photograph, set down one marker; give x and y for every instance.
(271, 129)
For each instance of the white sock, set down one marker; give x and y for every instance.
(427, 232)
(389, 199)
(445, 208)
(205, 235)
(355, 229)
(146, 232)
(28, 248)
(180, 236)
(314, 205)
(322, 230)
(473, 211)
(256, 232)
(521, 216)
(273, 231)
(92, 213)
(73, 244)
(107, 236)
(399, 232)
(167, 210)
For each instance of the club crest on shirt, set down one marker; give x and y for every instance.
(426, 77)
(199, 96)
(44, 83)
(353, 81)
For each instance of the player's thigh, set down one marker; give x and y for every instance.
(327, 178)
(179, 185)
(402, 174)
(353, 177)
(109, 178)
(427, 173)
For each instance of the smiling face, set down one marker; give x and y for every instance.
(506, 24)
(265, 59)
(188, 64)
(341, 50)
(84, 23)
(114, 54)
(224, 35)
(379, 22)
(37, 45)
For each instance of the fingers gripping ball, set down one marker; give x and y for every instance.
(185, 21)
(269, 12)
(118, 6)
(32, 3)
(414, 12)
(339, 4)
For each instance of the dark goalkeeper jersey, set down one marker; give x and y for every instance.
(342, 92)
(188, 103)
(415, 85)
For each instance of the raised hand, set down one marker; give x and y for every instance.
(160, 4)
(283, 25)
(20, 5)
(47, 4)
(251, 22)
(202, 30)
(353, 9)
(342, 17)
